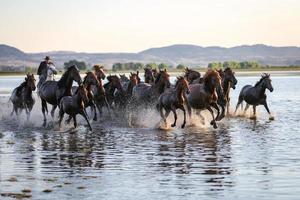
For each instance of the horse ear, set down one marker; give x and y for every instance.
(165, 70)
(137, 72)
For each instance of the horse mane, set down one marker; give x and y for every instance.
(263, 77)
(158, 77)
(208, 75)
(228, 70)
(179, 78)
(63, 79)
(87, 73)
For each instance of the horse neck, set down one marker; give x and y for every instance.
(28, 91)
(260, 89)
(226, 87)
(158, 87)
(129, 88)
(179, 93)
(209, 88)
(68, 86)
(78, 99)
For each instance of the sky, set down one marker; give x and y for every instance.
(135, 25)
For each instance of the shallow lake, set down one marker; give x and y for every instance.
(242, 159)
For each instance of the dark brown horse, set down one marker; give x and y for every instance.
(203, 96)
(173, 99)
(22, 96)
(111, 86)
(145, 95)
(192, 76)
(122, 99)
(255, 95)
(89, 81)
(148, 75)
(228, 81)
(52, 91)
(74, 105)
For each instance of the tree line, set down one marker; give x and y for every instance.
(235, 65)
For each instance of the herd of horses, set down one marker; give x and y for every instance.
(127, 96)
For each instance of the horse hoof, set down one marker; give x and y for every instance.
(183, 125)
(215, 126)
(44, 124)
(95, 119)
(212, 123)
(173, 125)
(271, 118)
(253, 117)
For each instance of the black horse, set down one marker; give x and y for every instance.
(52, 91)
(256, 95)
(228, 81)
(74, 105)
(22, 96)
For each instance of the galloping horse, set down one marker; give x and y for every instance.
(148, 75)
(192, 76)
(52, 91)
(110, 87)
(228, 81)
(73, 105)
(256, 95)
(173, 99)
(22, 96)
(144, 93)
(122, 99)
(89, 80)
(203, 96)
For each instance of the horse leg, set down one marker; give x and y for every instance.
(175, 115)
(227, 107)
(61, 116)
(246, 108)
(160, 108)
(74, 120)
(69, 119)
(53, 110)
(166, 115)
(215, 106)
(44, 108)
(267, 108)
(100, 110)
(213, 122)
(238, 105)
(93, 107)
(254, 113)
(184, 116)
(83, 113)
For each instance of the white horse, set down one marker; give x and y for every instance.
(51, 71)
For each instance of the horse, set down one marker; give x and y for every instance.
(203, 96)
(122, 99)
(148, 75)
(255, 95)
(74, 105)
(88, 81)
(99, 72)
(173, 99)
(22, 98)
(123, 78)
(192, 76)
(145, 93)
(52, 91)
(228, 81)
(113, 84)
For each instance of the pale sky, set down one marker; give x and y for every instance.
(135, 25)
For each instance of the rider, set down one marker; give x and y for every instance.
(42, 70)
(51, 71)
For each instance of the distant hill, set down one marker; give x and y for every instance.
(191, 55)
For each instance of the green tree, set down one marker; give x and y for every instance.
(180, 66)
(80, 64)
(162, 66)
(151, 65)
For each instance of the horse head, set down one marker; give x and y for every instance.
(191, 75)
(229, 75)
(74, 74)
(115, 82)
(212, 81)
(163, 79)
(182, 84)
(267, 82)
(134, 78)
(99, 71)
(148, 75)
(90, 79)
(30, 81)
